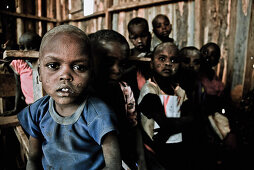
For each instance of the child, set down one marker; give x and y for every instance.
(140, 37)
(110, 51)
(189, 69)
(169, 133)
(68, 128)
(23, 72)
(161, 30)
(215, 99)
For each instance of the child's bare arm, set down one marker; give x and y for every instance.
(35, 154)
(111, 152)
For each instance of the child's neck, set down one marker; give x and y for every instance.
(69, 109)
(166, 84)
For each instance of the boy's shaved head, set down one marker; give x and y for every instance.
(137, 21)
(66, 29)
(166, 45)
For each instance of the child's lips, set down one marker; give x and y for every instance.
(166, 70)
(64, 91)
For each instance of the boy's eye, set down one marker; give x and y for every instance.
(166, 23)
(174, 59)
(186, 60)
(80, 67)
(162, 59)
(53, 65)
(133, 37)
(196, 61)
(158, 25)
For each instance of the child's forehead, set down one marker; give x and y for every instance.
(139, 25)
(161, 19)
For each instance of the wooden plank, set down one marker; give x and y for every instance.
(108, 15)
(23, 139)
(8, 121)
(136, 5)
(88, 17)
(27, 16)
(198, 23)
(18, 54)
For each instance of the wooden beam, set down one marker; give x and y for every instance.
(23, 139)
(18, 54)
(113, 9)
(137, 5)
(94, 15)
(8, 121)
(28, 16)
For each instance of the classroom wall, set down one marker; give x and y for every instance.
(229, 23)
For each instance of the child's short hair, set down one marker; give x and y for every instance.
(68, 29)
(136, 21)
(187, 51)
(154, 21)
(161, 46)
(30, 39)
(108, 35)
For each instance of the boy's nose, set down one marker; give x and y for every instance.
(65, 73)
(139, 39)
(115, 68)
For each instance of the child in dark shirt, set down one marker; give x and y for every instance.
(69, 128)
(167, 115)
(110, 52)
(138, 70)
(161, 30)
(188, 72)
(140, 37)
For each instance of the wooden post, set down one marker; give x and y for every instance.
(20, 24)
(198, 23)
(108, 14)
(249, 69)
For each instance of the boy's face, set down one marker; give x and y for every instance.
(111, 64)
(191, 62)
(64, 69)
(210, 56)
(139, 37)
(165, 62)
(162, 27)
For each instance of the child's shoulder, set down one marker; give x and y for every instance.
(97, 105)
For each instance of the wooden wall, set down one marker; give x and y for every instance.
(229, 23)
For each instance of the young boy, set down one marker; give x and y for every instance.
(161, 30)
(169, 126)
(189, 69)
(140, 37)
(68, 128)
(110, 52)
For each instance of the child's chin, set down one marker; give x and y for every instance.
(64, 100)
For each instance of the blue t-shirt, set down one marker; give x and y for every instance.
(72, 142)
